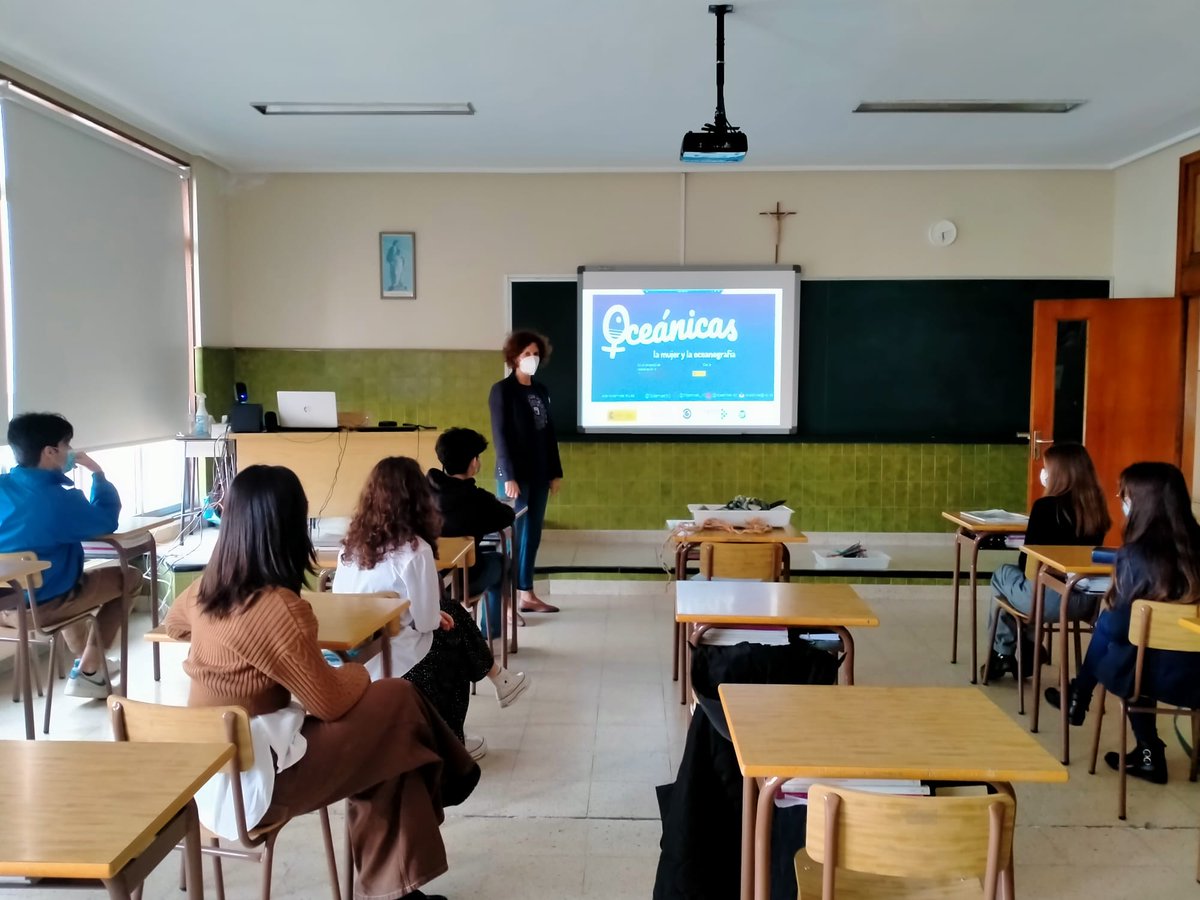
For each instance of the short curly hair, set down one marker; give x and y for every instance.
(519, 340)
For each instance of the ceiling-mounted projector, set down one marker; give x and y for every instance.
(717, 142)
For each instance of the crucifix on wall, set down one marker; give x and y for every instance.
(778, 214)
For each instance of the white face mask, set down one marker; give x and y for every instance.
(529, 365)
(1125, 507)
(1045, 478)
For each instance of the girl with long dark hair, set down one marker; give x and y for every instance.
(391, 546)
(1073, 511)
(333, 734)
(1160, 560)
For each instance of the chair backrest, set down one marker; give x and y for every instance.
(33, 581)
(1155, 624)
(909, 837)
(760, 561)
(133, 720)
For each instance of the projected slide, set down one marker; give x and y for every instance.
(687, 358)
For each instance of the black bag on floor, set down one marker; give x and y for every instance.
(701, 811)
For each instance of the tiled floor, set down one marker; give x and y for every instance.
(566, 806)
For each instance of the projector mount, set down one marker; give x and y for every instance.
(719, 122)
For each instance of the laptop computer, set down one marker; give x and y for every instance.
(307, 409)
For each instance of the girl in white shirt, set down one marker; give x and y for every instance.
(391, 546)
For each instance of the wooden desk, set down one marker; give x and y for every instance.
(90, 810)
(1059, 568)
(345, 622)
(832, 607)
(807, 731)
(688, 542)
(973, 536)
(333, 465)
(453, 553)
(134, 537)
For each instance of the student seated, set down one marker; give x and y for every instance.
(470, 511)
(41, 511)
(332, 732)
(390, 546)
(1160, 560)
(1073, 511)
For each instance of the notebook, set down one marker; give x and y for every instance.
(996, 517)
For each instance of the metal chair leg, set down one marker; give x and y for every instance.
(54, 654)
(348, 875)
(268, 857)
(330, 855)
(1096, 732)
(218, 870)
(1121, 760)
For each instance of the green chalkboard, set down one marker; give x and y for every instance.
(880, 360)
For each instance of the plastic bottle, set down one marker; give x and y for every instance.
(201, 427)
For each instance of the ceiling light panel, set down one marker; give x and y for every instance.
(969, 106)
(365, 109)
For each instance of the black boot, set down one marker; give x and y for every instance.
(1143, 761)
(1077, 706)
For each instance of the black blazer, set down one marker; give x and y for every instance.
(522, 452)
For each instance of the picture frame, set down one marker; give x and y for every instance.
(397, 265)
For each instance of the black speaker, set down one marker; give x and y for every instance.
(271, 420)
(246, 417)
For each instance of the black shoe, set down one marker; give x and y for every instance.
(1145, 762)
(1077, 708)
(999, 664)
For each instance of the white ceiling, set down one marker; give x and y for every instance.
(566, 84)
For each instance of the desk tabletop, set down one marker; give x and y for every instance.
(985, 527)
(1068, 559)
(936, 733)
(84, 809)
(453, 553)
(788, 535)
(771, 603)
(344, 621)
(15, 569)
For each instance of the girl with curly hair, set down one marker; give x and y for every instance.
(391, 545)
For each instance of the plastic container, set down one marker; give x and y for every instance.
(779, 517)
(873, 560)
(201, 424)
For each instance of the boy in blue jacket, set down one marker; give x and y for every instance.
(41, 511)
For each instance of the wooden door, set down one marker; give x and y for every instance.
(1110, 374)
(1188, 258)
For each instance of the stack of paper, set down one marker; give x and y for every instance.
(794, 792)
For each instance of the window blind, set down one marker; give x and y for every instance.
(96, 323)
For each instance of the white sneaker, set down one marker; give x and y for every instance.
(509, 686)
(114, 666)
(476, 746)
(92, 687)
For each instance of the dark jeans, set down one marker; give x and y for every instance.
(534, 495)
(486, 575)
(1143, 725)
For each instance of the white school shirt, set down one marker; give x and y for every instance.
(410, 571)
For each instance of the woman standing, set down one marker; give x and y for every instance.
(528, 467)
(332, 733)
(1160, 560)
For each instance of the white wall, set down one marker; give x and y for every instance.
(1146, 223)
(303, 258)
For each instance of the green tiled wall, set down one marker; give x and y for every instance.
(832, 487)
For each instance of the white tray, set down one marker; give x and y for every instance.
(873, 560)
(779, 517)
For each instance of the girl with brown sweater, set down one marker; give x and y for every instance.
(335, 733)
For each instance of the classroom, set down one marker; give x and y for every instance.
(436, 417)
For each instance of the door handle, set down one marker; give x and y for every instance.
(1035, 442)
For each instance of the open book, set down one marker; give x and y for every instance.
(996, 517)
(794, 792)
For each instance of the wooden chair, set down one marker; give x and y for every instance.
(1152, 626)
(759, 561)
(1050, 627)
(864, 845)
(36, 632)
(151, 722)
